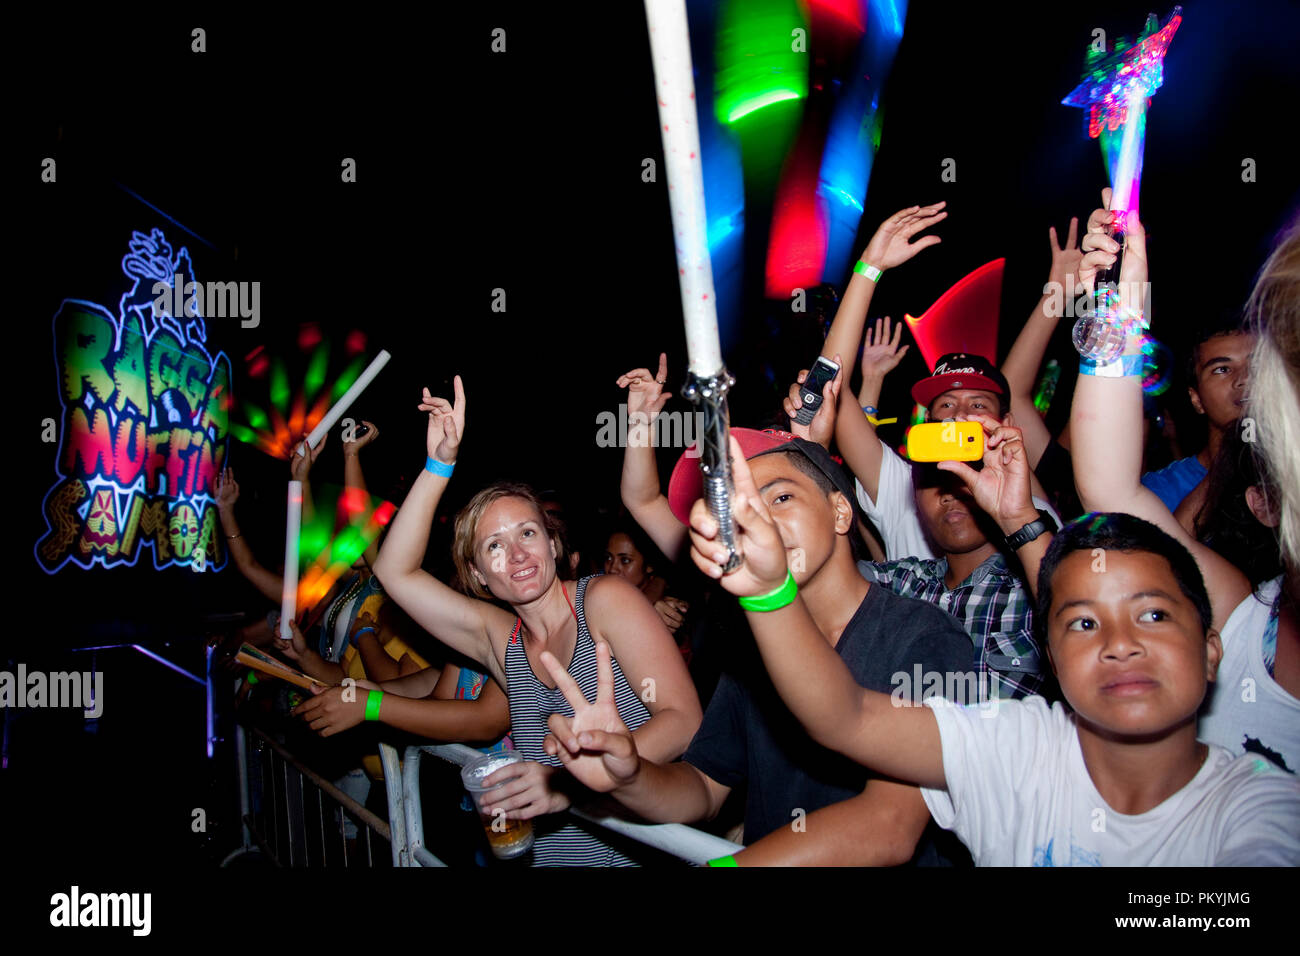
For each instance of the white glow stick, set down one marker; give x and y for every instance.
(670, 48)
(348, 398)
(292, 525)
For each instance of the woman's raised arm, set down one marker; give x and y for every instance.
(460, 622)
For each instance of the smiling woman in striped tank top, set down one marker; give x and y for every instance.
(505, 549)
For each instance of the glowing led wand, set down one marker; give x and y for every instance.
(708, 380)
(1115, 90)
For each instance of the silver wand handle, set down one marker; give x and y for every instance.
(710, 394)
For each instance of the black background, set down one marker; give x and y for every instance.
(521, 171)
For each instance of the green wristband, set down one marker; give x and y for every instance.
(723, 861)
(251, 678)
(773, 600)
(372, 704)
(863, 269)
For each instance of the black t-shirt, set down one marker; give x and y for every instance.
(750, 737)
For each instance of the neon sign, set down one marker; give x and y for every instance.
(144, 426)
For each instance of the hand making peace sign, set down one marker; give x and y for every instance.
(594, 744)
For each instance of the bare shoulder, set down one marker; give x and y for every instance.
(609, 593)
(610, 602)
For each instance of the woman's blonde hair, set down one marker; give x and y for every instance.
(1273, 314)
(466, 529)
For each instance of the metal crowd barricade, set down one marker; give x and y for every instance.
(295, 816)
(282, 819)
(683, 842)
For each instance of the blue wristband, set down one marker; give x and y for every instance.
(870, 409)
(1121, 367)
(438, 468)
(355, 639)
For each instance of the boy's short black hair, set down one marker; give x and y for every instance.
(1119, 532)
(1227, 322)
(829, 476)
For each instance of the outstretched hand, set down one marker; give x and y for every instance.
(446, 423)
(225, 489)
(890, 247)
(645, 392)
(594, 744)
(764, 567)
(822, 428)
(1002, 487)
(881, 353)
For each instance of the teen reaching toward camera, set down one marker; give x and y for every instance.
(805, 805)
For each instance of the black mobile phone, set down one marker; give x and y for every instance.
(810, 392)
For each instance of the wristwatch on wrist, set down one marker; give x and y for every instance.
(1029, 532)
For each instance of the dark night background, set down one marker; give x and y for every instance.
(522, 171)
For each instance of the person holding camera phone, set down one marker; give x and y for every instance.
(883, 486)
(976, 519)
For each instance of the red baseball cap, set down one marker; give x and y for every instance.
(960, 370)
(686, 486)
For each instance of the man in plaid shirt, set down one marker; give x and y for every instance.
(973, 581)
(972, 578)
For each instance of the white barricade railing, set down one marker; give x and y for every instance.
(676, 839)
(392, 767)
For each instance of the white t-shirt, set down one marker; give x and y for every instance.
(894, 510)
(1246, 708)
(1019, 794)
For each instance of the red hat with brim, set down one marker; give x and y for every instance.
(686, 485)
(960, 370)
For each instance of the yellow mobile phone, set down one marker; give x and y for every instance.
(946, 441)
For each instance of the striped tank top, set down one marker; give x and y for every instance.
(557, 840)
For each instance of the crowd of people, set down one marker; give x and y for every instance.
(1048, 656)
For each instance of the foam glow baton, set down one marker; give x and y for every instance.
(350, 396)
(289, 594)
(707, 381)
(1115, 90)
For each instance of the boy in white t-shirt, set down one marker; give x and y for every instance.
(1118, 779)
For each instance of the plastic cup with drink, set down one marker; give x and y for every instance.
(507, 838)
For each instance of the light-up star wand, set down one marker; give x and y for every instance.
(1115, 90)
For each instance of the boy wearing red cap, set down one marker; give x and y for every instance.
(804, 805)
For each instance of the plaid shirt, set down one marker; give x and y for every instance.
(994, 607)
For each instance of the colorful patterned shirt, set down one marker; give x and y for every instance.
(992, 604)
